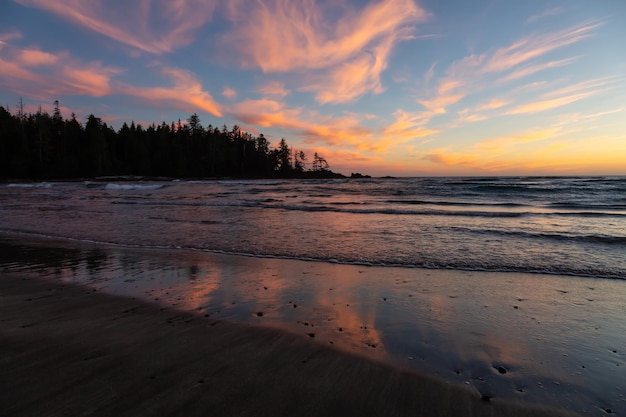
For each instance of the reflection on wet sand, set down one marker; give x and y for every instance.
(529, 337)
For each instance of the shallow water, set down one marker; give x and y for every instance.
(555, 340)
(557, 225)
(491, 274)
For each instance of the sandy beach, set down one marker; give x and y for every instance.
(71, 350)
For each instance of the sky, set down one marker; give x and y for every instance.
(381, 87)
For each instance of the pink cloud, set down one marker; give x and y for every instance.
(565, 95)
(186, 94)
(274, 89)
(229, 93)
(476, 72)
(553, 11)
(343, 50)
(157, 26)
(345, 130)
(535, 46)
(76, 78)
(4, 37)
(35, 58)
(37, 73)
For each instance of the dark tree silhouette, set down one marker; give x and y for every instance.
(40, 146)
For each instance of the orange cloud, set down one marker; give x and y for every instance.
(494, 103)
(130, 22)
(408, 126)
(343, 50)
(37, 73)
(504, 144)
(186, 94)
(311, 127)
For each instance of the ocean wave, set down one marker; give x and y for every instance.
(133, 187)
(595, 239)
(30, 185)
(590, 206)
(453, 203)
(562, 269)
(351, 208)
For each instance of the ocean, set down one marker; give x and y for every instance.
(553, 225)
(513, 287)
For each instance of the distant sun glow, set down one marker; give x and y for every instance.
(382, 87)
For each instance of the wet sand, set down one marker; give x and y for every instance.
(72, 350)
(525, 339)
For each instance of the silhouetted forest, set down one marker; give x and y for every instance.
(44, 146)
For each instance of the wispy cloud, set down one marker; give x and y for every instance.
(38, 73)
(186, 93)
(5, 37)
(229, 93)
(344, 131)
(532, 69)
(407, 126)
(509, 63)
(342, 50)
(565, 95)
(35, 58)
(496, 154)
(535, 46)
(553, 11)
(48, 75)
(563, 145)
(153, 26)
(273, 89)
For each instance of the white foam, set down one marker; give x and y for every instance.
(130, 187)
(31, 185)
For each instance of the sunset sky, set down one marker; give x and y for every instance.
(382, 87)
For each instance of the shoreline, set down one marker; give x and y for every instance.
(517, 338)
(72, 350)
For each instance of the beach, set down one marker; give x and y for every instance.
(507, 291)
(92, 329)
(71, 350)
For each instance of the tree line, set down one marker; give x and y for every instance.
(43, 146)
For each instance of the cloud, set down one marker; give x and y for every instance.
(35, 73)
(344, 131)
(508, 143)
(341, 50)
(153, 26)
(35, 58)
(186, 94)
(494, 103)
(532, 69)
(229, 93)
(274, 89)
(41, 74)
(4, 37)
(476, 72)
(564, 96)
(553, 11)
(407, 126)
(535, 46)
(91, 79)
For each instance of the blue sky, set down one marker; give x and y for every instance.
(385, 87)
